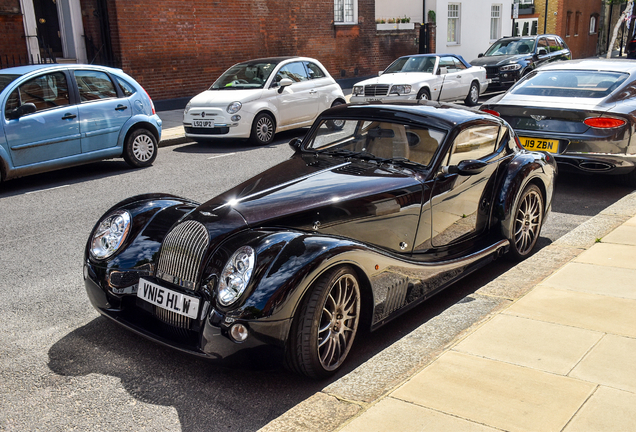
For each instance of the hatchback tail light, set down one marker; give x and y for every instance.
(152, 105)
(604, 122)
(493, 112)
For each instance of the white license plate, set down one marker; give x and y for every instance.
(168, 299)
(373, 99)
(203, 123)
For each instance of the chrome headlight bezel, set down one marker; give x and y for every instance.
(358, 90)
(234, 107)
(236, 275)
(400, 89)
(110, 234)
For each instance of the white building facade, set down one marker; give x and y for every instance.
(464, 27)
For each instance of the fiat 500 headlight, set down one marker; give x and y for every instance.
(401, 89)
(110, 234)
(234, 107)
(236, 275)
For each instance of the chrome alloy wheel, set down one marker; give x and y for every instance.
(474, 94)
(338, 322)
(143, 147)
(264, 129)
(528, 221)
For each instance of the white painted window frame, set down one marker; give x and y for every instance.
(454, 13)
(349, 12)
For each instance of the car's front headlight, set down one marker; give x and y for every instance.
(358, 90)
(234, 107)
(110, 234)
(512, 67)
(236, 275)
(187, 108)
(400, 89)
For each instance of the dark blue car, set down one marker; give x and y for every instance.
(57, 116)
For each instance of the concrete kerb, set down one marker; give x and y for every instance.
(348, 397)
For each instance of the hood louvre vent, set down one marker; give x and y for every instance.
(351, 169)
(181, 254)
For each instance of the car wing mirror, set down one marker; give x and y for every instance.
(466, 167)
(285, 82)
(542, 51)
(22, 110)
(480, 55)
(295, 144)
(442, 71)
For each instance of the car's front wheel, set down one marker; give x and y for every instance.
(263, 130)
(140, 148)
(527, 222)
(323, 332)
(335, 124)
(424, 94)
(473, 95)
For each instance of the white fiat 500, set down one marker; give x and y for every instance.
(440, 77)
(258, 98)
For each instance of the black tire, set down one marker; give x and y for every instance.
(335, 125)
(263, 130)
(526, 223)
(325, 327)
(473, 95)
(140, 148)
(424, 94)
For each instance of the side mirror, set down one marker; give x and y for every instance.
(295, 144)
(542, 51)
(22, 110)
(285, 82)
(442, 71)
(466, 167)
(480, 55)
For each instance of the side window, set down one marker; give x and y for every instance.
(46, 91)
(448, 63)
(474, 143)
(294, 71)
(543, 43)
(459, 65)
(12, 103)
(125, 87)
(553, 46)
(314, 70)
(94, 85)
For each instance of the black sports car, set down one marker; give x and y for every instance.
(380, 207)
(581, 111)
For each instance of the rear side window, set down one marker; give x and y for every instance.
(126, 88)
(314, 70)
(474, 143)
(94, 85)
(571, 83)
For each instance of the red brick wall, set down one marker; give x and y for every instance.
(12, 41)
(584, 44)
(177, 48)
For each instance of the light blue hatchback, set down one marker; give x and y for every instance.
(57, 116)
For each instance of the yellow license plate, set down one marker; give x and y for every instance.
(540, 144)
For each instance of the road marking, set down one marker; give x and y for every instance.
(46, 190)
(223, 155)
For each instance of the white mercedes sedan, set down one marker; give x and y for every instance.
(258, 98)
(439, 77)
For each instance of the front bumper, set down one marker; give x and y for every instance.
(224, 125)
(387, 98)
(208, 336)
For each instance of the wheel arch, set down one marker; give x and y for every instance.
(135, 125)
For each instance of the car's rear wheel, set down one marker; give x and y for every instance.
(473, 95)
(140, 148)
(263, 130)
(324, 330)
(335, 124)
(527, 222)
(424, 94)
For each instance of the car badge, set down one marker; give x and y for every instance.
(537, 117)
(203, 114)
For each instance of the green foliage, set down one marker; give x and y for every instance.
(431, 16)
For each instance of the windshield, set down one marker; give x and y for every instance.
(371, 139)
(511, 47)
(251, 75)
(412, 64)
(6, 79)
(570, 83)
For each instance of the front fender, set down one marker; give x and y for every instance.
(525, 168)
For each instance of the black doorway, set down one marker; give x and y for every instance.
(48, 27)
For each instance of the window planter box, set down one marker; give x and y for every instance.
(395, 26)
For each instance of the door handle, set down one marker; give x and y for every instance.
(312, 91)
(121, 107)
(68, 116)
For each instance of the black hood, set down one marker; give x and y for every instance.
(499, 60)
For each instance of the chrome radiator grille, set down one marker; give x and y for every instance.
(174, 319)
(376, 90)
(181, 254)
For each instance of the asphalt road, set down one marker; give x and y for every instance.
(63, 367)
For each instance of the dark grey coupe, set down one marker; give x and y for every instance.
(581, 111)
(380, 207)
